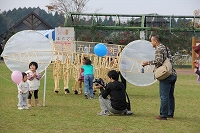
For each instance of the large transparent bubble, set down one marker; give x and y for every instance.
(131, 59)
(26, 46)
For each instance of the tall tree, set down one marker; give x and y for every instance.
(197, 20)
(3, 23)
(65, 6)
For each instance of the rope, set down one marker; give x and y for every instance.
(13, 82)
(6, 79)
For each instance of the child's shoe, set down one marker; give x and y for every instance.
(26, 107)
(20, 108)
(75, 92)
(86, 96)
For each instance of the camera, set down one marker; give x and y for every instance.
(99, 81)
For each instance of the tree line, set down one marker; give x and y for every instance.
(176, 41)
(11, 17)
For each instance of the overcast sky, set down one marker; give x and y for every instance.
(162, 7)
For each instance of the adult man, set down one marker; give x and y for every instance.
(116, 104)
(166, 86)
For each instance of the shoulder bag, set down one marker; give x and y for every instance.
(165, 70)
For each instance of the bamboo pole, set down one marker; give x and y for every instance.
(193, 53)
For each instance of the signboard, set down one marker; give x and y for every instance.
(64, 40)
(88, 47)
(85, 47)
(63, 47)
(113, 50)
(64, 34)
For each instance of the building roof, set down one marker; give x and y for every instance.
(154, 18)
(30, 22)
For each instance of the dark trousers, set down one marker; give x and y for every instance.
(167, 100)
(35, 94)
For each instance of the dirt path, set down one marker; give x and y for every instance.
(185, 71)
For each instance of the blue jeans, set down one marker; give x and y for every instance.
(167, 100)
(88, 84)
(22, 100)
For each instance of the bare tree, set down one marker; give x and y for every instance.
(197, 20)
(65, 6)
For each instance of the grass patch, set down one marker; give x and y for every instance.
(183, 66)
(73, 114)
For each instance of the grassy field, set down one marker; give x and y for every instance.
(74, 114)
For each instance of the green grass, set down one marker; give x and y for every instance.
(74, 114)
(183, 66)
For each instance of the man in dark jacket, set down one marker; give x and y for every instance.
(116, 104)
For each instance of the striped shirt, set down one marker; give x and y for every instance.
(160, 57)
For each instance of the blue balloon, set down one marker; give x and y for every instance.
(100, 49)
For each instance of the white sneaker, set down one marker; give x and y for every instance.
(103, 113)
(20, 108)
(127, 112)
(25, 107)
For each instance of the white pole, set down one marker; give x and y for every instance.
(45, 73)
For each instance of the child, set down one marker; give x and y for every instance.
(81, 80)
(88, 78)
(34, 81)
(81, 76)
(196, 70)
(23, 88)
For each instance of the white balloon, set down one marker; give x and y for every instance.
(27, 46)
(131, 59)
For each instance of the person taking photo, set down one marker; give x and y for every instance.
(116, 103)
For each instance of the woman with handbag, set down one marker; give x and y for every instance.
(167, 85)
